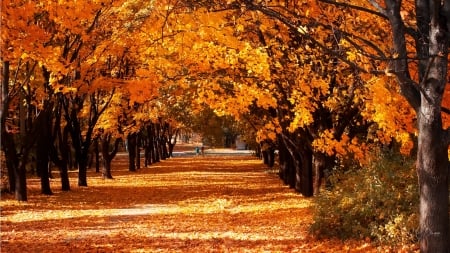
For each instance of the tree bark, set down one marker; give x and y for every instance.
(319, 162)
(301, 156)
(60, 149)
(265, 156)
(271, 156)
(7, 142)
(131, 143)
(146, 142)
(426, 98)
(164, 152)
(432, 169)
(97, 156)
(107, 155)
(172, 140)
(432, 156)
(306, 177)
(42, 151)
(138, 151)
(286, 170)
(21, 183)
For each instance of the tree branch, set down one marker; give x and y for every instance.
(378, 7)
(445, 110)
(447, 137)
(380, 13)
(272, 13)
(408, 87)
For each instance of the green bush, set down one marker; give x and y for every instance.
(379, 201)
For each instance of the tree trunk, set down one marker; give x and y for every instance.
(319, 162)
(59, 143)
(108, 156)
(21, 183)
(97, 156)
(306, 178)
(433, 20)
(271, 156)
(171, 147)
(82, 169)
(42, 151)
(12, 160)
(164, 152)
(64, 174)
(11, 176)
(258, 152)
(302, 160)
(81, 151)
(131, 143)
(7, 142)
(147, 158)
(286, 171)
(81, 140)
(106, 172)
(265, 153)
(71, 162)
(146, 144)
(64, 161)
(172, 141)
(157, 149)
(138, 151)
(81, 157)
(290, 171)
(432, 168)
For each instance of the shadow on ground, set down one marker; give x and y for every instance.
(184, 204)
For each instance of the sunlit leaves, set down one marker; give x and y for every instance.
(184, 204)
(269, 131)
(226, 56)
(395, 124)
(344, 147)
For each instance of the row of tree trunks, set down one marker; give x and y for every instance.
(158, 140)
(16, 153)
(42, 128)
(295, 165)
(301, 168)
(268, 153)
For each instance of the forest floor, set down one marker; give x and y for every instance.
(212, 203)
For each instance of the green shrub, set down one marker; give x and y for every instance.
(379, 201)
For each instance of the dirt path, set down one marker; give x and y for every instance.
(192, 204)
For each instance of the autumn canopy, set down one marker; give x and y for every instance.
(329, 85)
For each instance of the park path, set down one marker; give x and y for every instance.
(184, 204)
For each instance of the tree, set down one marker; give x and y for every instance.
(59, 147)
(18, 139)
(424, 91)
(108, 155)
(425, 95)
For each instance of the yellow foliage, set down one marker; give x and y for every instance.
(395, 124)
(343, 148)
(269, 131)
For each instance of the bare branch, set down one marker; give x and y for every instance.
(380, 13)
(445, 110)
(378, 7)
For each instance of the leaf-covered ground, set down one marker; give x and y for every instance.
(184, 204)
